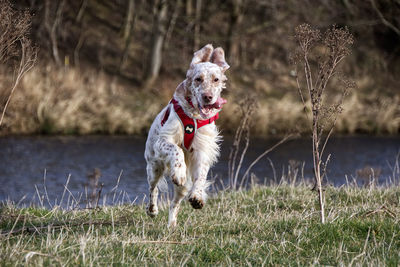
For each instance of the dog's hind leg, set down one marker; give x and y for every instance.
(155, 171)
(180, 193)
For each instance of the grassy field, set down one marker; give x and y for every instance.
(276, 225)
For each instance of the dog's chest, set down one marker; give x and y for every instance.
(206, 143)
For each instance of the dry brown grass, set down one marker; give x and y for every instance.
(274, 115)
(362, 113)
(371, 113)
(82, 102)
(72, 101)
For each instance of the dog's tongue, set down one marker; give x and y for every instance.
(218, 104)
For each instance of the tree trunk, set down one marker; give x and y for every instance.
(189, 8)
(129, 19)
(197, 26)
(128, 32)
(172, 23)
(82, 32)
(159, 30)
(236, 19)
(52, 28)
(81, 11)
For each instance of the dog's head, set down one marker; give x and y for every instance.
(204, 81)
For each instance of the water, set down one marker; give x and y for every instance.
(30, 166)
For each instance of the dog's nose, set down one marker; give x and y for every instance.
(207, 97)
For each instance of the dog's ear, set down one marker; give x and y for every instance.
(218, 58)
(180, 90)
(203, 55)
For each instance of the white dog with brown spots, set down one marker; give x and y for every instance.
(183, 141)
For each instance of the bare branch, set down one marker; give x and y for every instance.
(383, 19)
(265, 153)
(15, 47)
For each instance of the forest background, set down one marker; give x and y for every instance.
(108, 67)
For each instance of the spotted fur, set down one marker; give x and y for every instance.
(165, 155)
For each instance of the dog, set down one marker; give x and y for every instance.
(183, 141)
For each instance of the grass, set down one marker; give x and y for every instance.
(266, 225)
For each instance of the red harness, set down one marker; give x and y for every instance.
(190, 125)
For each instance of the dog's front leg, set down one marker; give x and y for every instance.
(198, 193)
(175, 159)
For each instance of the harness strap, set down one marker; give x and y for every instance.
(165, 118)
(190, 125)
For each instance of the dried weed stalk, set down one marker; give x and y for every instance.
(241, 142)
(246, 107)
(17, 55)
(317, 58)
(94, 187)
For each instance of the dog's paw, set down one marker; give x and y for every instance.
(172, 218)
(196, 203)
(178, 174)
(171, 224)
(152, 210)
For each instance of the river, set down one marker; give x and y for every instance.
(40, 170)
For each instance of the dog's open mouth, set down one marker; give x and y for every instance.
(207, 110)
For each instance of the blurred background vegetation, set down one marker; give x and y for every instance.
(110, 66)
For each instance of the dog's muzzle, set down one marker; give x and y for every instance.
(207, 109)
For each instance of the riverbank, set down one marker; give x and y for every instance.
(68, 101)
(265, 225)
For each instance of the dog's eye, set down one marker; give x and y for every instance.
(216, 80)
(198, 79)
